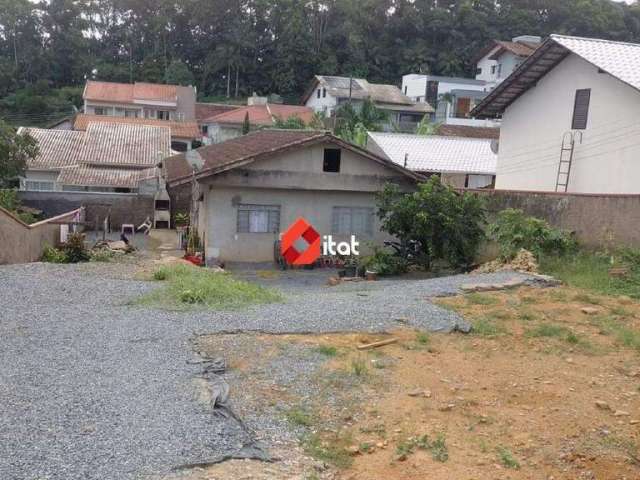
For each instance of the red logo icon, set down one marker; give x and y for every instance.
(300, 229)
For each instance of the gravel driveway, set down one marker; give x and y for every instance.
(92, 388)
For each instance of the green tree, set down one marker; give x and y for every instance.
(246, 126)
(448, 226)
(290, 123)
(15, 150)
(178, 73)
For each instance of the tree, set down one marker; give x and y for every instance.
(352, 124)
(178, 73)
(446, 225)
(290, 123)
(246, 126)
(15, 150)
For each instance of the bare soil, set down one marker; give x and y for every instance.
(541, 390)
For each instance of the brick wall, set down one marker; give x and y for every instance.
(596, 219)
(124, 208)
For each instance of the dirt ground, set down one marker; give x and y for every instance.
(540, 390)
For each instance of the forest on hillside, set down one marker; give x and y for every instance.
(231, 48)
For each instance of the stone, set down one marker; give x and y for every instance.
(416, 393)
(620, 413)
(602, 405)
(353, 450)
(427, 394)
(634, 422)
(447, 408)
(589, 310)
(333, 281)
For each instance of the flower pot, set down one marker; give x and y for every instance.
(371, 276)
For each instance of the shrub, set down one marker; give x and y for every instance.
(447, 225)
(53, 255)
(513, 230)
(75, 249)
(102, 255)
(385, 263)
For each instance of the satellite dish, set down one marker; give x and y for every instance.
(495, 145)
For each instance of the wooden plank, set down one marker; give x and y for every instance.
(381, 343)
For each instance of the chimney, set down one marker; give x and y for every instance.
(256, 100)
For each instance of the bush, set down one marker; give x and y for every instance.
(103, 255)
(385, 263)
(514, 231)
(447, 225)
(53, 255)
(75, 249)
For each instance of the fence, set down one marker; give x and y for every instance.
(596, 219)
(21, 243)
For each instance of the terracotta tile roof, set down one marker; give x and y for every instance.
(100, 176)
(178, 129)
(107, 152)
(262, 115)
(58, 148)
(260, 144)
(208, 110)
(521, 49)
(128, 93)
(468, 132)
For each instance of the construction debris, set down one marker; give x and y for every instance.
(524, 261)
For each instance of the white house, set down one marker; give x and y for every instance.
(461, 162)
(498, 59)
(327, 93)
(570, 118)
(451, 97)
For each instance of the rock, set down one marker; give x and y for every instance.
(353, 450)
(447, 408)
(602, 405)
(379, 445)
(333, 281)
(634, 422)
(416, 393)
(620, 413)
(589, 310)
(427, 393)
(462, 326)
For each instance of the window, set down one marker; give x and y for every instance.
(405, 89)
(205, 129)
(258, 218)
(581, 109)
(74, 188)
(318, 93)
(493, 69)
(499, 70)
(479, 71)
(99, 111)
(352, 220)
(131, 113)
(324, 92)
(163, 115)
(38, 186)
(331, 160)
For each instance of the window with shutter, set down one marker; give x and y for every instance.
(258, 219)
(352, 220)
(581, 109)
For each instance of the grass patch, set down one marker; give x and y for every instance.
(332, 451)
(527, 315)
(192, 287)
(507, 459)
(422, 338)
(480, 299)
(590, 271)
(437, 448)
(610, 325)
(585, 298)
(299, 417)
(548, 330)
(359, 367)
(486, 327)
(327, 350)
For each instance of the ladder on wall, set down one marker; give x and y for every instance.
(566, 159)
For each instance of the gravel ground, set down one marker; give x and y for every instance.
(92, 388)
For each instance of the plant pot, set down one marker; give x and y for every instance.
(371, 276)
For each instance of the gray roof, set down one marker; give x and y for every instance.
(432, 153)
(439, 78)
(620, 60)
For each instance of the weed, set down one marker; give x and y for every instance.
(189, 287)
(558, 295)
(527, 315)
(422, 338)
(438, 447)
(359, 367)
(586, 298)
(487, 328)
(439, 451)
(621, 311)
(610, 325)
(528, 300)
(379, 429)
(365, 447)
(572, 338)
(507, 459)
(299, 417)
(548, 330)
(331, 450)
(103, 255)
(481, 299)
(53, 255)
(328, 350)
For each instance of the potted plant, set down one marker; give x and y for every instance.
(181, 220)
(351, 267)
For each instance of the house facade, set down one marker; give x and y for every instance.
(461, 162)
(500, 58)
(451, 97)
(327, 93)
(253, 187)
(570, 118)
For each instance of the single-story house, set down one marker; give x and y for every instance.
(570, 118)
(205, 111)
(461, 162)
(261, 114)
(251, 188)
(326, 93)
(110, 164)
(183, 134)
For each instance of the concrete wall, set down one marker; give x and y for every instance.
(596, 219)
(22, 243)
(124, 208)
(532, 128)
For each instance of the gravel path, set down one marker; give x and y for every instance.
(92, 388)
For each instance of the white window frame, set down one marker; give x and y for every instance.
(39, 186)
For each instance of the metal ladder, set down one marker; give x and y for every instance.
(566, 158)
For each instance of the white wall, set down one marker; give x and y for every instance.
(485, 63)
(508, 62)
(416, 85)
(324, 105)
(532, 129)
